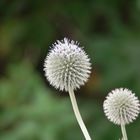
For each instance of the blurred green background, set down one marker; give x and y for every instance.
(30, 109)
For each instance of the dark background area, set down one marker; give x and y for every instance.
(30, 109)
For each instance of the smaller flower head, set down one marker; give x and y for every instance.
(67, 65)
(121, 106)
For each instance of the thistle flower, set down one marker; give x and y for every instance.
(67, 67)
(121, 107)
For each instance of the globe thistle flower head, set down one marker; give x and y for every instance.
(67, 65)
(121, 106)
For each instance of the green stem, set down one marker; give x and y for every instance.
(78, 115)
(124, 134)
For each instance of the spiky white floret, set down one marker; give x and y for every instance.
(121, 106)
(67, 65)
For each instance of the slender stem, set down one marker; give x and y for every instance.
(124, 132)
(78, 115)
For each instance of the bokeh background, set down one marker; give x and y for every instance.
(30, 109)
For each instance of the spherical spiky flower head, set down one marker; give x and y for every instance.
(121, 106)
(67, 65)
